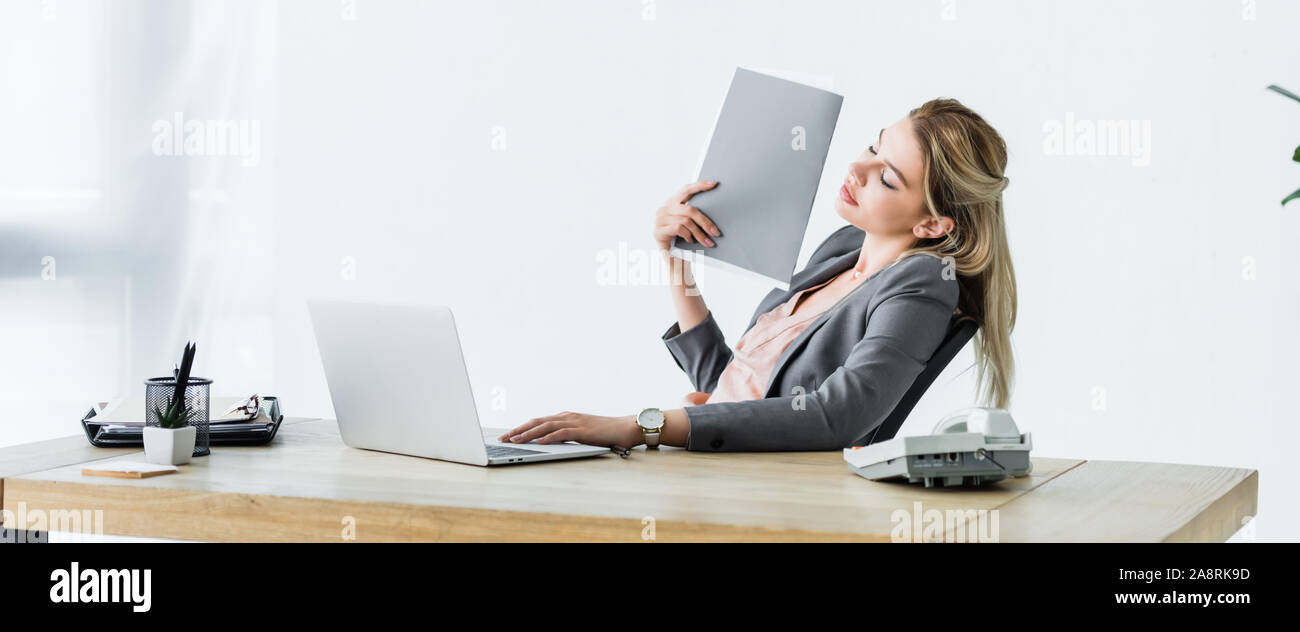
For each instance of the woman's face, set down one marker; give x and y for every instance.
(883, 192)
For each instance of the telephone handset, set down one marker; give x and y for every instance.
(991, 422)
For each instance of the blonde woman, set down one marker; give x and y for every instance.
(823, 364)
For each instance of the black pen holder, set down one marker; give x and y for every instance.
(158, 393)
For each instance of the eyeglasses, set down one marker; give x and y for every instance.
(250, 406)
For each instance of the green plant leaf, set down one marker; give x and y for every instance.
(1284, 92)
(1296, 155)
(1293, 196)
(175, 416)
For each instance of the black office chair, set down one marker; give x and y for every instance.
(960, 332)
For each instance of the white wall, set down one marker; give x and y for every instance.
(1138, 337)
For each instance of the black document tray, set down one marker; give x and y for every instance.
(218, 434)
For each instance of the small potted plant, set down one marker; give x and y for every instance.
(171, 442)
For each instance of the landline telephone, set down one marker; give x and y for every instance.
(969, 447)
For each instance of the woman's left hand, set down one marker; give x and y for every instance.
(588, 429)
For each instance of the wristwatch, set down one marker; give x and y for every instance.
(651, 421)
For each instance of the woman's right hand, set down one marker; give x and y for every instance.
(676, 219)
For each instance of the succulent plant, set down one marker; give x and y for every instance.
(176, 415)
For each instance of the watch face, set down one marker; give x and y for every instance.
(651, 419)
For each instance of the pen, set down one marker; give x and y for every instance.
(620, 450)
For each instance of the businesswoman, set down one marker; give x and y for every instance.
(823, 364)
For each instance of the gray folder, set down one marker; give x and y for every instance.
(767, 152)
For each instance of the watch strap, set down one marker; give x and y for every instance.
(651, 438)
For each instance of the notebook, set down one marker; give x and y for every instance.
(766, 151)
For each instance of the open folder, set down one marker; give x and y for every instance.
(766, 152)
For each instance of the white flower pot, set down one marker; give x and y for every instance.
(168, 446)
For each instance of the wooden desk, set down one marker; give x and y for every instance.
(307, 486)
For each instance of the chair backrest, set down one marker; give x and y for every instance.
(960, 332)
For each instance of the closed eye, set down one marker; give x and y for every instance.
(872, 149)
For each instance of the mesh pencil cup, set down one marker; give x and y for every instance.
(157, 394)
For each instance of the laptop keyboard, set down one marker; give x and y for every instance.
(494, 451)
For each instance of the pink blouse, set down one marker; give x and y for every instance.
(745, 378)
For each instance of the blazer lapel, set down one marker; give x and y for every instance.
(832, 267)
(805, 279)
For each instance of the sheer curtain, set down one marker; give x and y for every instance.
(115, 248)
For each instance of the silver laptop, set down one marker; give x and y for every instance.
(398, 382)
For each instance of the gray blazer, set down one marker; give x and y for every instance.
(843, 375)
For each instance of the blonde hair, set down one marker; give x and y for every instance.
(964, 163)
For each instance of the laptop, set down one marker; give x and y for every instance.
(398, 381)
